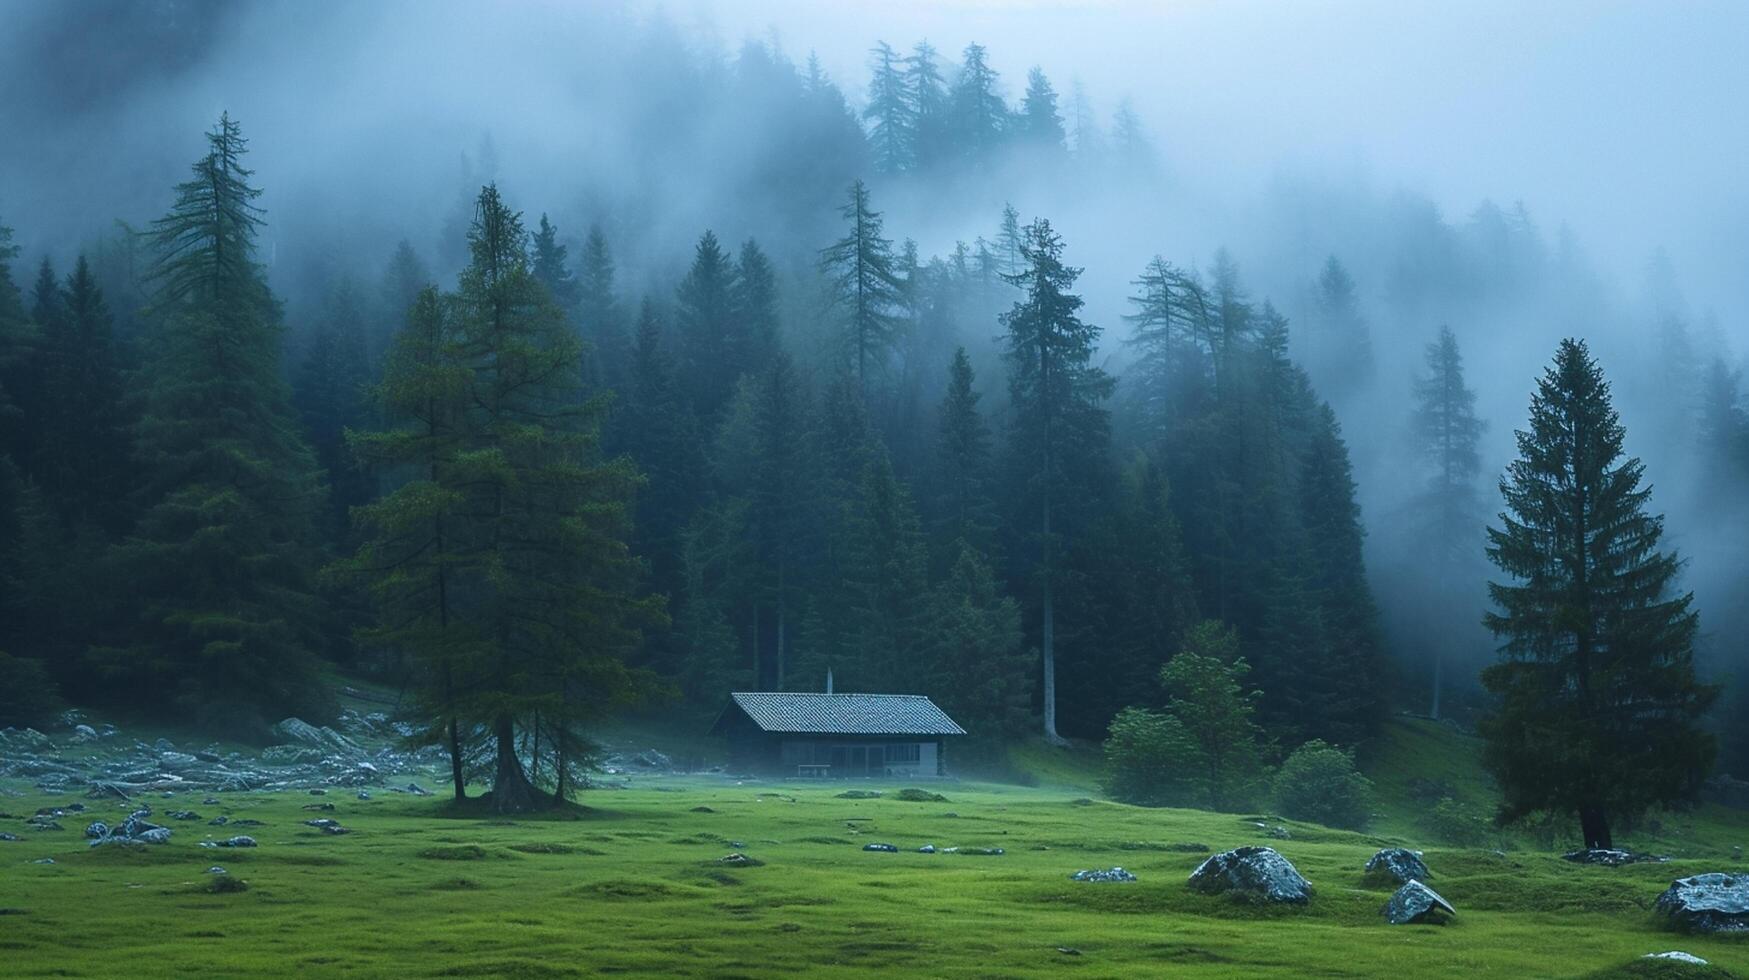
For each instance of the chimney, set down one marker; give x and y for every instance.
(828, 680)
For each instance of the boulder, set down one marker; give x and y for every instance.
(301, 732)
(9, 837)
(1415, 902)
(96, 830)
(238, 841)
(1114, 874)
(156, 835)
(1255, 872)
(1397, 865)
(887, 848)
(926, 849)
(1712, 902)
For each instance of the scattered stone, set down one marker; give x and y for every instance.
(1677, 955)
(1114, 874)
(737, 845)
(417, 790)
(1415, 902)
(1279, 832)
(96, 830)
(980, 851)
(926, 849)
(336, 830)
(319, 806)
(238, 841)
(218, 821)
(1711, 902)
(1068, 951)
(364, 794)
(247, 823)
(183, 815)
(322, 824)
(1256, 872)
(702, 809)
(84, 733)
(318, 792)
(739, 860)
(156, 835)
(888, 848)
(327, 739)
(9, 837)
(860, 794)
(216, 870)
(1397, 865)
(43, 861)
(1610, 858)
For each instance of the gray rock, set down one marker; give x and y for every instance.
(1610, 858)
(216, 870)
(183, 815)
(364, 794)
(9, 837)
(302, 732)
(238, 841)
(84, 733)
(1415, 902)
(218, 821)
(1677, 955)
(926, 849)
(1712, 902)
(157, 835)
(1255, 872)
(1113, 874)
(417, 790)
(887, 848)
(1397, 865)
(96, 830)
(43, 861)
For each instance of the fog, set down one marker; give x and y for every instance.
(1287, 133)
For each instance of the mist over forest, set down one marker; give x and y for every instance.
(1301, 198)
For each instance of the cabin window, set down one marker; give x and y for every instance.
(904, 752)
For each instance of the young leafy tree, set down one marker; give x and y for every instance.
(1205, 683)
(1059, 430)
(892, 125)
(1600, 710)
(224, 549)
(1447, 432)
(865, 286)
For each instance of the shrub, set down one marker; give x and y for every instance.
(1452, 822)
(1149, 759)
(1319, 783)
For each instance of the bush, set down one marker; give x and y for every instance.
(1319, 783)
(1149, 758)
(1452, 822)
(28, 696)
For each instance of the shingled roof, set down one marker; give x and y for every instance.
(842, 714)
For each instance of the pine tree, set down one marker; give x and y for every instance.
(963, 510)
(1010, 237)
(657, 429)
(330, 395)
(865, 286)
(416, 551)
(83, 459)
(557, 608)
(1040, 127)
(1450, 522)
(548, 256)
(779, 494)
(404, 278)
(1600, 709)
(927, 100)
(1131, 148)
(705, 313)
(14, 339)
(974, 660)
(1340, 355)
(1089, 147)
(598, 314)
(887, 579)
(979, 116)
(1059, 431)
(224, 549)
(1170, 306)
(892, 126)
(754, 296)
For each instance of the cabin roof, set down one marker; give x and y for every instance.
(840, 714)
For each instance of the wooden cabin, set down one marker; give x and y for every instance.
(836, 735)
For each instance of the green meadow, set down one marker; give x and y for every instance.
(634, 883)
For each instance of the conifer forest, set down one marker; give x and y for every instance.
(1328, 412)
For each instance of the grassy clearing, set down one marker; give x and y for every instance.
(636, 885)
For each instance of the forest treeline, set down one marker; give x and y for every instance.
(536, 494)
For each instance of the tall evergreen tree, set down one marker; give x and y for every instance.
(1450, 522)
(82, 461)
(928, 102)
(656, 427)
(866, 287)
(963, 510)
(1600, 709)
(1039, 125)
(892, 125)
(705, 313)
(548, 258)
(404, 278)
(330, 395)
(1340, 354)
(1059, 429)
(979, 115)
(755, 305)
(598, 314)
(224, 549)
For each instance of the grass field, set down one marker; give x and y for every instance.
(634, 885)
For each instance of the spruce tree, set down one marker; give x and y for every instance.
(754, 296)
(403, 279)
(657, 429)
(1340, 355)
(973, 660)
(963, 511)
(1169, 306)
(865, 287)
(330, 395)
(598, 314)
(1449, 524)
(927, 100)
(547, 255)
(1059, 431)
(1600, 711)
(979, 116)
(1040, 127)
(892, 126)
(225, 546)
(705, 315)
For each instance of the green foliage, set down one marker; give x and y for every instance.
(1600, 708)
(865, 287)
(1319, 783)
(973, 653)
(29, 697)
(1150, 759)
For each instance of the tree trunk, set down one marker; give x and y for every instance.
(1047, 642)
(511, 790)
(1438, 665)
(1594, 823)
(455, 761)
